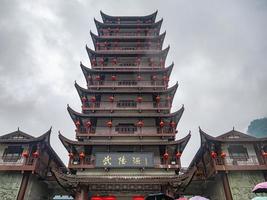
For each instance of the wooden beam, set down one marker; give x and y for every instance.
(23, 186)
(226, 186)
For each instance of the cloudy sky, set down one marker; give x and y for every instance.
(219, 49)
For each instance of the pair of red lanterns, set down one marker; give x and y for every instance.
(177, 155)
(213, 154)
(35, 154)
(162, 124)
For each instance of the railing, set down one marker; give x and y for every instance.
(141, 48)
(16, 160)
(146, 130)
(120, 105)
(127, 83)
(126, 34)
(251, 160)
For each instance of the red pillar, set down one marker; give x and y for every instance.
(226, 186)
(23, 186)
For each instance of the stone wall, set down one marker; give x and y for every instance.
(36, 189)
(241, 184)
(9, 185)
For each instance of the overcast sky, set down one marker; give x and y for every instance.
(219, 49)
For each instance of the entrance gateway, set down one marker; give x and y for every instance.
(125, 147)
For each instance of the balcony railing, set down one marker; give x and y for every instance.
(240, 161)
(145, 131)
(124, 83)
(129, 49)
(16, 160)
(117, 105)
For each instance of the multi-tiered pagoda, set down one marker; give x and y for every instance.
(125, 132)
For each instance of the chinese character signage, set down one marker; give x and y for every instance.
(127, 160)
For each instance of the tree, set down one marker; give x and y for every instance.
(258, 128)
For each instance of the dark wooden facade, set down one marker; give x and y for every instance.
(33, 158)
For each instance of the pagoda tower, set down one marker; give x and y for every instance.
(125, 147)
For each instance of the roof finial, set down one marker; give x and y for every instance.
(18, 128)
(233, 128)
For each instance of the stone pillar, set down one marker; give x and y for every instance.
(226, 186)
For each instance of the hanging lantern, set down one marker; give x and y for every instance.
(139, 78)
(114, 61)
(71, 155)
(223, 154)
(151, 61)
(109, 124)
(166, 78)
(139, 99)
(264, 154)
(161, 124)
(82, 155)
(88, 124)
(109, 198)
(84, 99)
(138, 198)
(213, 154)
(111, 98)
(113, 78)
(140, 123)
(154, 78)
(89, 78)
(158, 99)
(101, 61)
(35, 154)
(138, 61)
(166, 156)
(178, 155)
(172, 124)
(98, 78)
(93, 99)
(168, 98)
(25, 154)
(96, 198)
(94, 62)
(77, 123)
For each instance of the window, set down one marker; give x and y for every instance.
(238, 152)
(12, 153)
(125, 128)
(126, 103)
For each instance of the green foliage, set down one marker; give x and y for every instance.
(258, 127)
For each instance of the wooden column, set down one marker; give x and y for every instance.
(82, 194)
(226, 186)
(23, 186)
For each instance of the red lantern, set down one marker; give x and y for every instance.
(178, 155)
(77, 123)
(161, 124)
(158, 99)
(94, 62)
(114, 61)
(109, 198)
(165, 78)
(35, 154)
(97, 78)
(138, 198)
(140, 123)
(168, 98)
(93, 99)
(84, 99)
(139, 78)
(111, 98)
(88, 124)
(139, 99)
(166, 156)
(96, 198)
(154, 78)
(113, 78)
(82, 155)
(25, 154)
(71, 155)
(138, 61)
(264, 154)
(172, 124)
(109, 124)
(101, 61)
(223, 154)
(89, 77)
(151, 61)
(213, 154)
